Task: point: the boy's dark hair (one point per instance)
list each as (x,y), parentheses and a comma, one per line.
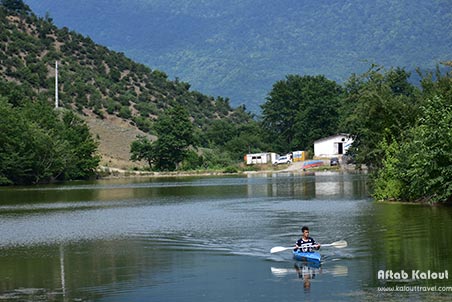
(305,228)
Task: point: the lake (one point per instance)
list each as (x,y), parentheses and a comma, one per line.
(208,239)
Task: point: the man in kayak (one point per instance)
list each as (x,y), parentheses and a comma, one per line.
(306,243)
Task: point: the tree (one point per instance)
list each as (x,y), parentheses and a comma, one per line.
(378,105)
(414,161)
(143,149)
(30,152)
(36,145)
(429,150)
(220,132)
(437,84)
(419,166)
(15,147)
(17,6)
(248,140)
(82,158)
(175,136)
(299,110)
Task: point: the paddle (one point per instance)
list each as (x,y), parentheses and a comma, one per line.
(338,244)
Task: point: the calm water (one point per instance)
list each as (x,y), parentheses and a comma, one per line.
(208,239)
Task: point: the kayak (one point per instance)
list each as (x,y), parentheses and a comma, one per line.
(309,256)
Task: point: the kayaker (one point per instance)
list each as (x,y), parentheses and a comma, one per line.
(306,243)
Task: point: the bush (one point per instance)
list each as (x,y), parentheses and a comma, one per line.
(192,161)
(216,159)
(230,169)
(420,167)
(125,112)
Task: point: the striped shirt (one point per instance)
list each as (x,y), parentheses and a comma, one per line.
(305,245)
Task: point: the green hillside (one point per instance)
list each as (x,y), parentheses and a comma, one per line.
(240,48)
(117,98)
(93,78)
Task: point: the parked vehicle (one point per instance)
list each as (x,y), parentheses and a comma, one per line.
(334,161)
(283,160)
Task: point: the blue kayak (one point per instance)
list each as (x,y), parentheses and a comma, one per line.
(309,256)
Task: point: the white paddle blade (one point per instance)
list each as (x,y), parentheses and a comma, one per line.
(339,244)
(278,249)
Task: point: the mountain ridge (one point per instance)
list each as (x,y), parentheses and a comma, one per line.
(239,49)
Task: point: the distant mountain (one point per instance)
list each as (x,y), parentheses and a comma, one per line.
(239,48)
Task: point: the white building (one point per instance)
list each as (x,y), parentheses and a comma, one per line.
(332,146)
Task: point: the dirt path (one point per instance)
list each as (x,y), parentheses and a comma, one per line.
(296,166)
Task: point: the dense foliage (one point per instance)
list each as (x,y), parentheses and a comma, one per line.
(300,110)
(222,144)
(175,136)
(39,144)
(417,164)
(378,105)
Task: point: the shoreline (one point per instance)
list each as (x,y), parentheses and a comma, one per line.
(114,173)
(414,203)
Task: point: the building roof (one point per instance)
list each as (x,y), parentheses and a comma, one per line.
(332,136)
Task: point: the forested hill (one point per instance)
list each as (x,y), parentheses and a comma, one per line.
(239,48)
(93,79)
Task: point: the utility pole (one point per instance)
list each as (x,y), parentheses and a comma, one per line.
(56,84)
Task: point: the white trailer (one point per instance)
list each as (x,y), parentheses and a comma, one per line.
(261,158)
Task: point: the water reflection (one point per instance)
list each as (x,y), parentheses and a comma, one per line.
(70,272)
(309,185)
(308,271)
(207,239)
(63,273)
